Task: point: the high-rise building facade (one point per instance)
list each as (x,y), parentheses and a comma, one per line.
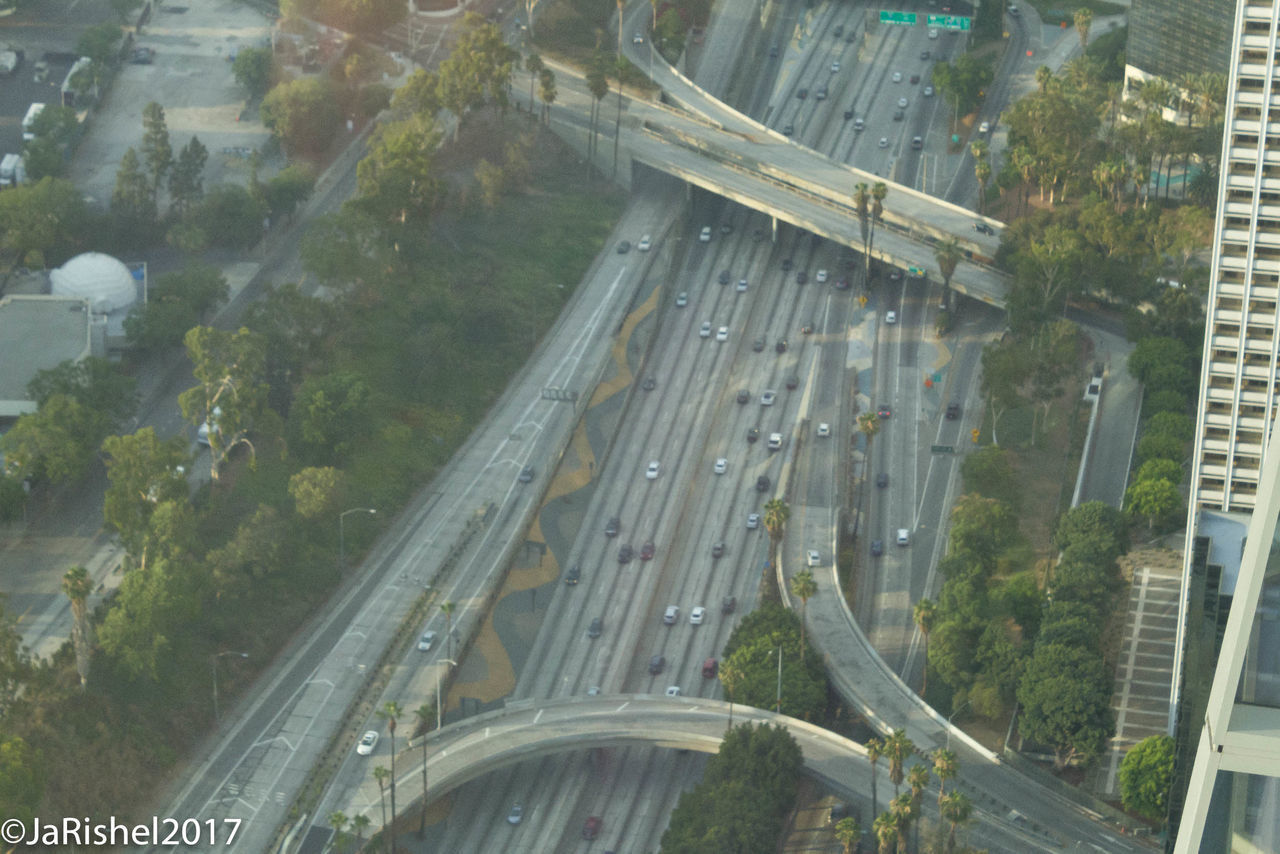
(1172,39)
(1227,665)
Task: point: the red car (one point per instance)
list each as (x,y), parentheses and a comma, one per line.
(884,412)
(646,551)
(591,829)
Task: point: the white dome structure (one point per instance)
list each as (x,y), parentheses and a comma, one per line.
(102,280)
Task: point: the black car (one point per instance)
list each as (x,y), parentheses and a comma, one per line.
(649,384)
(656,664)
(753,433)
(572,576)
(838,31)
(744,396)
(781,346)
(793,382)
(983,228)
(624,247)
(625,554)
(762,483)
(802,94)
(729,604)
(786,265)
(758,345)
(924,54)
(877,548)
(773,51)
(788,129)
(882,479)
(953,411)
(724,277)
(596,627)
(611,529)
(526,474)
(717,550)
(848,114)
(802,277)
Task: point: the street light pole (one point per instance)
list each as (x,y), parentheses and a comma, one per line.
(342,541)
(439,699)
(954,712)
(778,701)
(213,665)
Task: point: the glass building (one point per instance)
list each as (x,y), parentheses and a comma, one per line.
(1171,39)
(1226,697)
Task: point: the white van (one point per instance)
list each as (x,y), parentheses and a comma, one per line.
(32,112)
(9,168)
(904,537)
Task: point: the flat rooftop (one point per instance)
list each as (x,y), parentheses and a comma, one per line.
(37,333)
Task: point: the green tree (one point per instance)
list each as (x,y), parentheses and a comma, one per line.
(547,92)
(945,767)
(989,472)
(478,71)
(1004,369)
(887,834)
(15,673)
(142,472)
(157,150)
(1065,696)
(917,781)
(897,749)
(154,609)
(1155,500)
(1146,775)
(332,414)
(100,42)
(77,585)
(232,216)
(133,204)
(803,586)
(186,180)
(93,382)
(875,751)
(926,614)
(1083,19)
(956,810)
(288,188)
(256,550)
(776,514)
(1161,446)
(1089,521)
(125,8)
(948,257)
(951,653)
(228,367)
(42,158)
(315,491)
(253,69)
(983,527)
(1151,354)
(58,441)
(598,85)
(176,302)
(848,832)
(398,180)
(303,114)
(389,712)
(22,778)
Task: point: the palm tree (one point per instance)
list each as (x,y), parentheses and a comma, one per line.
(862,203)
(869,424)
(981,169)
(776,514)
(447,608)
(338,820)
(803,585)
(875,749)
(654,29)
(918,780)
(879,192)
(381,774)
(360,823)
(1084,17)
(389,712)
(1044,74)
(897,748)
(618,71)
(547,92)
(730,675)
(78,585)
(848,831)
(424,713)
(956,810)
(945,768)
(598,84)
(901,813)
(534,65)
(925,613)
(948,256)
(886,830)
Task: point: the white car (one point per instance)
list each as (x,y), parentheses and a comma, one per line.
(933,34)
(897,77)
(742,285)
(673,690)
(821,277)
(368,742)
(721,466)
(671,614)
(705,235)
(682,299)
(517,813)
(928,92)
(753,521)
(884,142)
(902,102)
(645,244)
(652,472)
(767,398)
(890,317)
(637,39)
(824,430)
(904,537)
(425,642)
(696,615)
(705,331)
(775,441)
(812,558)
(985,127)
(722,334)
(835,66)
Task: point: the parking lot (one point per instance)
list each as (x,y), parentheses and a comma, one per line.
(37,79)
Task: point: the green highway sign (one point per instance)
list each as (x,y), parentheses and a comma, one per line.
(889,17)
(949,22)
(943,449)
(916,272)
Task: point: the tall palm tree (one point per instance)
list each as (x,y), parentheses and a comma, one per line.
(886,830)
(918,781)
(869,425)
(901,813)
(360,823)
(956,810)
(945,767)
(381,774)
(389,712)
(862,203)
(533,64)
(338,820)
(547,92)
(618,71)
(730,675)
(447,608)
(897,748)
(948,256)
(77,584)
(598,85)
(424,714)
(1083,18)
(848,831)
(875,749)
(776,514)
(981,169)
(1044,74)
(803,585)
(879,192)
(925,613)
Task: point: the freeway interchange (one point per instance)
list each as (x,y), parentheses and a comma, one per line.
(633,381)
